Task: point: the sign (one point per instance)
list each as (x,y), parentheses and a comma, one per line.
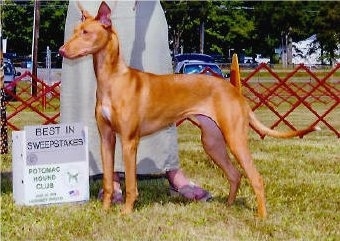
(50,164)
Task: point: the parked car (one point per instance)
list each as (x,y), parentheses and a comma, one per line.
(9,84)
(193,56)
(248,62)
(195,63)
(197,67)
(259,59)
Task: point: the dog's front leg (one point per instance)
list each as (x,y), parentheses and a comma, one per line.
(108,143)
(129,146)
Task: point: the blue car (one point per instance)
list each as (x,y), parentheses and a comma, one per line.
(9,77)
(196,64)
(198,67)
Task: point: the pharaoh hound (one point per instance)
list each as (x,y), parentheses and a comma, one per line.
(133,103)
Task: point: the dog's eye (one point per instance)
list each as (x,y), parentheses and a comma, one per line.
(84,31)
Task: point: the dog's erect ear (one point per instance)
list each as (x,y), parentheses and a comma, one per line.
(84,14)
(104,15)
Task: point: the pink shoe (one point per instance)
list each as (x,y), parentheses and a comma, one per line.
(117,196)
(191,192)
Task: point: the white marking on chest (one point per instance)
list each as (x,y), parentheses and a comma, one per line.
(106,112)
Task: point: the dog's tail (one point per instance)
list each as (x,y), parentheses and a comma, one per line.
(264,130)
(235,77)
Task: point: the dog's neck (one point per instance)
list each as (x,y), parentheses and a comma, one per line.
(108,61)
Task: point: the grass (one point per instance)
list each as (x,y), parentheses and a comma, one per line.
(302,179)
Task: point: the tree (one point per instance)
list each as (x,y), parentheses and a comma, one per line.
(250,26)
(185,19)
(177,25)
(275,20)
(52,20)
(18,25)
(327,29)
(299,19)
(229,26)
(226,25)
(17,20)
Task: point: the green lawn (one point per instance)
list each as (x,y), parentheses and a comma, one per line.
(302,182)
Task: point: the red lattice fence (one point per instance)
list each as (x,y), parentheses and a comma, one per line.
(28,109)
(319,96)
(283,98)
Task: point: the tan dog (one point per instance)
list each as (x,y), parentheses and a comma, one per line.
(133,103)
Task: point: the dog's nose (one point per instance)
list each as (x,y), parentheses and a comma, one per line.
(62,51)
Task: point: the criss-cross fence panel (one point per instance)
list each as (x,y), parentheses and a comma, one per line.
(28,109)
(278,101)
(298,91)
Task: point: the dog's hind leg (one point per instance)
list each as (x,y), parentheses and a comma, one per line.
(215,146)
(236,137)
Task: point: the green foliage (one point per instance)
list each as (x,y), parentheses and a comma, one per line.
(275,19)
(225,25)
(228,27)
(327,22)
(17,20)
(249,26)
(52,24)
(255,26)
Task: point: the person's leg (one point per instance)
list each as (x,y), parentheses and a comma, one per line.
(180,185)
(177,178)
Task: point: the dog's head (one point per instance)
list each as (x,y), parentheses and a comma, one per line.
(90,35)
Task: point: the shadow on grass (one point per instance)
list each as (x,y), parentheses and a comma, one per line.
(149,187)
(151,190)
(6,182)
(240,202)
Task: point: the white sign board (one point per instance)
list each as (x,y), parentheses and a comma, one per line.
(50,164)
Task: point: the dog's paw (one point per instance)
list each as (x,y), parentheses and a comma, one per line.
(106,205)
(127,209)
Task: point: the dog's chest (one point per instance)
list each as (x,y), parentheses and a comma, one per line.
(106,112)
